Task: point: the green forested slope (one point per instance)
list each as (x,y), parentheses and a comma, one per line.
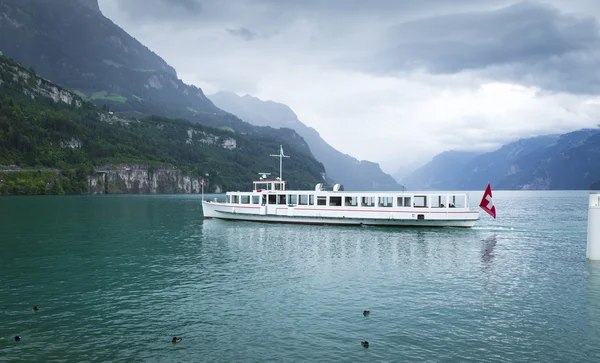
(71,43)
(74,136)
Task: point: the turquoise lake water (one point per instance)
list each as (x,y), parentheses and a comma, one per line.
(116,277)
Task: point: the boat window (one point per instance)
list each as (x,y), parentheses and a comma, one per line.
(245,199)
(293,199)
(420,201)
(261,186)
(404,202)
(367,201)
(235,199)
(438,201)
(350,201)
(228,199)
(277,186)
(255,199)
(385,202)
(303,199)
(321,200)
(311,199)
(457,201)
(281,199)
(272,198)
(335,201)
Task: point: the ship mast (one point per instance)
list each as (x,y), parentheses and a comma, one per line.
(280,156)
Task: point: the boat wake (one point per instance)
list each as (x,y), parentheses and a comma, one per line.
(495,228)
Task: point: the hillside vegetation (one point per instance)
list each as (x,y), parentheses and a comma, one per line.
(73,44)
(45,126)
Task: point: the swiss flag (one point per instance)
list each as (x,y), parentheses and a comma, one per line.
(486,202)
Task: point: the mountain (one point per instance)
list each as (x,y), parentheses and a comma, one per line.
(52,141)
(440,172)
(556,162)
(341,168)
(569,162)
(71,43)
(501,163)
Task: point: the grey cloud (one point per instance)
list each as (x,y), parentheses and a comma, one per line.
(529,42)
(163,10)
(192,6)
(270,11)
(521,33)
(243,33)
(526,41)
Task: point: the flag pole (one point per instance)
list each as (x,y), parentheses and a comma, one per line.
(280,156)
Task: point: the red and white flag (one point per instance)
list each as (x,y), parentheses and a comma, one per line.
(486,202)
(202,182)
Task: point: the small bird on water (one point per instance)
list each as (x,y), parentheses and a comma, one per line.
(17,338)
(35,308)
(366,313)
(365,344)
(176,339)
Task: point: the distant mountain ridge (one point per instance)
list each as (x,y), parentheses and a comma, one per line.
(549,162)
(340,168)
(440,172)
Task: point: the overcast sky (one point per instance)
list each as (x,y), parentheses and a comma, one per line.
(391,81)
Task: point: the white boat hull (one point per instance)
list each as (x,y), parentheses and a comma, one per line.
(329,216)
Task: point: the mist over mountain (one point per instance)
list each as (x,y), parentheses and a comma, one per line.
(341,168)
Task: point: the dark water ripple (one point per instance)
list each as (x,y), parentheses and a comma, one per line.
(117,277)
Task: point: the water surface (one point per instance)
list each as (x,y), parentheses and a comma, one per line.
(116,277)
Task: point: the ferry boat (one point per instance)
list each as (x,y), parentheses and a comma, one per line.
(270,201)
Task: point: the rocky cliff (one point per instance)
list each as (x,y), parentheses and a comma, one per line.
(140,179)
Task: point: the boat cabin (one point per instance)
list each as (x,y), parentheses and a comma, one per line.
(273,192)
(260,185)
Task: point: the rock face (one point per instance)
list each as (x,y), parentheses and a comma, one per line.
(139,179)
(36,86)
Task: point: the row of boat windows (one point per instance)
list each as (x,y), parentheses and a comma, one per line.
(420,201)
